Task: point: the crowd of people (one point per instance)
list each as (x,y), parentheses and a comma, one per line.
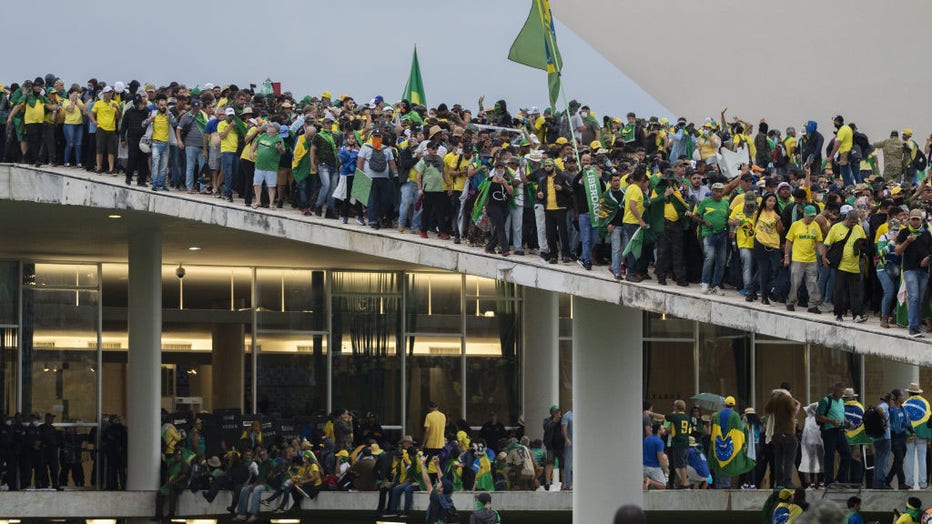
(827,223)
(790,445)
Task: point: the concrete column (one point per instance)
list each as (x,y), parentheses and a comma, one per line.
(541,357)
(607,391)
(227,360)
(144,360)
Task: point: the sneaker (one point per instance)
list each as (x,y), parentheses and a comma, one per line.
(581,263)
(567,260)
(423,234)
(915,334)
(743,293)
(444,236)
(859,319)
(839,318)
(815,310)
(279,510)
(456,240)
(519,252)
(66,164)
(390,515)
(552,260)
(266,503)
(345,219)
(704,288)
(252,518)
(587,266)
(360,221)
(400,229)
(682,283)
(717,291)
(790,307)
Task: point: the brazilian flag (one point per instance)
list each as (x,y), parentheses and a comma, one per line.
(854,418)
(727,452)
(917,409)
(484,481)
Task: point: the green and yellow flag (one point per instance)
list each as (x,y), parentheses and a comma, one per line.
(414,89)
(854,420)
(728,449)
(536,46)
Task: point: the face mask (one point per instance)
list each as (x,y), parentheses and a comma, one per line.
(377,142)
(584,114)
(459,151)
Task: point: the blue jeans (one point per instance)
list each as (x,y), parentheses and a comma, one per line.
(406,209)
(888,283)
(304,196)
(327,175)
(514,222)
(160,155)
(380,200)
(588,234)
(229,164)
(748,275)
(881,459)
(194,161)
(249,500)
(175,163)
(714,249)
(834,440)
(826,281)
(574,234)
(617,248)
(406,488)
(847,175)
(74,136)
(631,262)
(916,281)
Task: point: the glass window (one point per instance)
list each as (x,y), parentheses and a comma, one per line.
(479,286)
(433,303)
(205,287)
(291,300)
(63,275)
(779,363)
(724,363)
(8,350)
(493,363)
(171,288)
(9,292)
(668,373)
(292,374)
(434,373)
(829,366)
(60,350)
(366,336)
(664,326)
(566,373)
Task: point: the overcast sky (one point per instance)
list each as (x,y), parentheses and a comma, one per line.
(360,47)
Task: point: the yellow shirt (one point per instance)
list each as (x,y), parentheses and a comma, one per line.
(669,210)
(34,114)
(551,204)
(160,128)
(228,144)
(73,117)
(881,231)
(765,229)
(845,138)
(452,160)
(849,262)
(789,143)
(804,238)
(436,422)
(633,194)
(106,114)
(744,233)
(247,151)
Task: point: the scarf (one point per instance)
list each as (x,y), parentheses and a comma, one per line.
(916,230)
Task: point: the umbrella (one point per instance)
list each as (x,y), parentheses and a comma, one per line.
(708,401)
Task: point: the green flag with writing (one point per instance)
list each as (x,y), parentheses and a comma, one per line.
(536,46)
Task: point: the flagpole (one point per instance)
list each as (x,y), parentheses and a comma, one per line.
(553,47)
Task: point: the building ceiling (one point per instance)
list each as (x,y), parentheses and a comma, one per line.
(35,231)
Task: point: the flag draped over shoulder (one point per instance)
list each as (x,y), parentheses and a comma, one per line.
(414,89)
(607,210)
(854,418)
(536,46)
(917,409)
(727,453)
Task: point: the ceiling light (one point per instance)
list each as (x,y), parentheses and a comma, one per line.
(194,248)
(114,216)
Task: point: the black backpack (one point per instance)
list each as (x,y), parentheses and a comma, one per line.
(378,160)
(920,162)
(873,422)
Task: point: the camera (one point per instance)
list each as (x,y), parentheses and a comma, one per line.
(180,272)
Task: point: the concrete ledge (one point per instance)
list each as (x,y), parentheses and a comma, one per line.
(74,187)
(128,504)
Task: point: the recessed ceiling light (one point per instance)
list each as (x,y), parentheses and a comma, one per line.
(194,248)
(114,216)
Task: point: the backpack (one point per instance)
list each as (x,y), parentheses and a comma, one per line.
(920,162)
(873,422)
(378,160)
(448,515)
(779,155)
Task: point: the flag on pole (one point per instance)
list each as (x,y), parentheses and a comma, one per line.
(414,89)
(536,46)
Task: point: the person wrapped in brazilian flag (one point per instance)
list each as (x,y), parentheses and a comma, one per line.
(727,449)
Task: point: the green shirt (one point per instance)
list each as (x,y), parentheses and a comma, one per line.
(834,409)
(431,179)
(267,155)
(679,429)
(715,212)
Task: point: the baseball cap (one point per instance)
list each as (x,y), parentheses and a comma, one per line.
(781,185)
(533,110)
(283,131)
(119,87)
(810,211)
(729,401)
(718,185)
(208,86)
(378,99)
(916,213)
(229,111)
(107,89)
(845,208)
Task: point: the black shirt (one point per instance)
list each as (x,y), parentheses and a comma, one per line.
(916,251)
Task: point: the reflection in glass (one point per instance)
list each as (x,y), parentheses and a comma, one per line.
(833,365)
(668,373)
(292,376)
(778,363)
(433,303)
(724,363)
(434,373)
(492,358)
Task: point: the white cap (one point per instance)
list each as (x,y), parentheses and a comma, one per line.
(845,208)
(107,89)
(534,110)
(119,87)
(208,86)
(230,112)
